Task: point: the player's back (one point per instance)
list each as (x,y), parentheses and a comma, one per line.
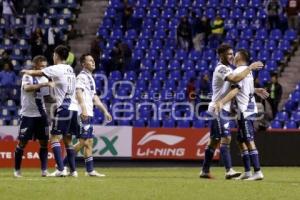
(220,87)
(64,77)
(245,98)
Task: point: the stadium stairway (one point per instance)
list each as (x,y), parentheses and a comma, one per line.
(92,12)
(290,77)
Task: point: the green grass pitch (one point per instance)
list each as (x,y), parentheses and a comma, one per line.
(151,183)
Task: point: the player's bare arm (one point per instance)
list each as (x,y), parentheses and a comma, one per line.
(35,87)
(219,104)
(79,96)
(100,105)
(32,72)
(262,93)
(235,78)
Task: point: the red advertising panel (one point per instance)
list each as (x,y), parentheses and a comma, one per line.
(30,156)
(170,143)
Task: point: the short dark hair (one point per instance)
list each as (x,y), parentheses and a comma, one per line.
(62,51)
(38,59)
(223,48)
(82,57)
(245,54)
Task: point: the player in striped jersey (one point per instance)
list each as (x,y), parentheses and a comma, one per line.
(34,120)
(65,121)
(243,92)
(87,98)
(219,127)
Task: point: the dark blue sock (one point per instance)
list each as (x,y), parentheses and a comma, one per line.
(18,157)
(246,161)
(254,159)
(209,154)
(57,155)
(225,155)
(71,158)
(65,161)
(89,164)
(43,157)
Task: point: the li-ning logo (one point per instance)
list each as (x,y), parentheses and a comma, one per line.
(164,138)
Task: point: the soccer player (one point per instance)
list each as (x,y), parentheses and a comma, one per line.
(65,121)
(34,122)
(219,127)
(243,92)
(87,98)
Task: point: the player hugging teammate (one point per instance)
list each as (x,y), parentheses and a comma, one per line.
(66,121)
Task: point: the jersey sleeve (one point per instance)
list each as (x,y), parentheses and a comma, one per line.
(223,72)
(26,80)
(50,71)
(80,81)
(241,83)
(45,91)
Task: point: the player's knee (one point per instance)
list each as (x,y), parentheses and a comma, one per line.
(55,138)
(251,145)
(242,146)
(226,140)
(213,143)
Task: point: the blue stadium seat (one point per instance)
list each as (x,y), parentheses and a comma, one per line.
(154,123)
(174,65)
(183,124)
(271,45)
(168,123)
(296,116)
(188,65)
(246,34)
(250,13)
(291,125)
(152,54)
(290,35)
(278,56)
(271,65)
(282,116)
(261,34)
(156,3)
(185,3)
(223,12)
(142,3)
(139,123)
(295,96)
(199,123)
(227,3)
(209,13)
(229,23)
(241,3)
(199,3)
(167,54)
(276,34)
(213,3)
(284,45)
(160,65)
(276,124)
(236,13)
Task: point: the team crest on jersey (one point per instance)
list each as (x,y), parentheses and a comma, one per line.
(23,130)
(223,70)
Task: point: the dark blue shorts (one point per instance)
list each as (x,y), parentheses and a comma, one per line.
(65,122)
(219,126)
(32,128)
(86,129)
(245,129)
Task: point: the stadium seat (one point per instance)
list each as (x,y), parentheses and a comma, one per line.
(276,124)
(290,125)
